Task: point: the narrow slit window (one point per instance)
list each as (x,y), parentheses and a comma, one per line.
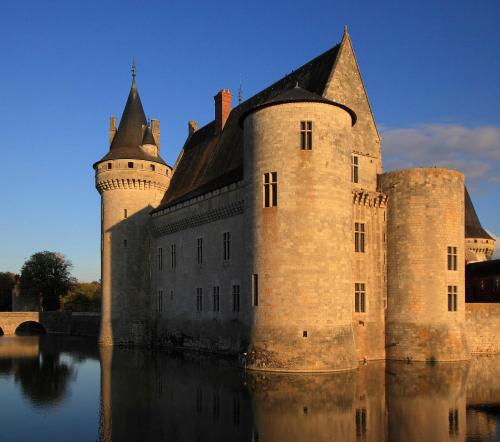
(306,135)
(227,246)
(452,258)
(453,428)
(199,299)
(199,250)
(271,189)
(216,299)
(110,166)
(361,422)
(355,169)
(160,301)
(452,298)
(173,256)
(236,298)
(125,213)
(359,237)
(255,289)
(152,167)
(359,297)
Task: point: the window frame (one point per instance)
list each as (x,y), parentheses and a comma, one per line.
(306,138)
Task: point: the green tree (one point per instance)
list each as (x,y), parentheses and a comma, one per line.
(83,297)
(7,282)
(47,274)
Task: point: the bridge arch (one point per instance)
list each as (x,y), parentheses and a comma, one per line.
(30,328)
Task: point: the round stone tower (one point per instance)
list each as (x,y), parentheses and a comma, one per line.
(132,179)
(298,222)
(425,318)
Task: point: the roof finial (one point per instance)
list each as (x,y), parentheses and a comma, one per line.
(346,31)
(133,70)
(297,84)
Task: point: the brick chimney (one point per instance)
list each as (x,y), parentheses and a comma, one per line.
(112,129)
(155,128)
(192,126)
(222,108)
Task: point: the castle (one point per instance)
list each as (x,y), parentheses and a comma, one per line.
(277,237)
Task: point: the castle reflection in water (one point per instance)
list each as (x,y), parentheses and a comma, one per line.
(154,396)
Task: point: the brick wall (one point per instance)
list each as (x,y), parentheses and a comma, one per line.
(483,327)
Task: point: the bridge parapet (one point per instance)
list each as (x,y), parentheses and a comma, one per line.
(52,322)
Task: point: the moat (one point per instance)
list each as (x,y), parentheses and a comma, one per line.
(64,388)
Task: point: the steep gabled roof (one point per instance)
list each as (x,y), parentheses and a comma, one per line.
(211,160)
(473,227)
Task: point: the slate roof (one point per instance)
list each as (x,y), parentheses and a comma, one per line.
(296,95)
(483,268)
(131,132)
(473,228)
(210,161)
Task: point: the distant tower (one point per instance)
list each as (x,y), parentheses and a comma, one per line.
(479,245)
(132,179)
(298,222)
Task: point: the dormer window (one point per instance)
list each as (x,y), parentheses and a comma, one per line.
(130,165)
(306,135)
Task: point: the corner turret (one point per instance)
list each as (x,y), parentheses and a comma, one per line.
(132,179)
(479,244)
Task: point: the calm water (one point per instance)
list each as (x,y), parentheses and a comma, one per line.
(66,389)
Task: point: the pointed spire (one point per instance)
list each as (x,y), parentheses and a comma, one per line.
(148,136)
(133,72)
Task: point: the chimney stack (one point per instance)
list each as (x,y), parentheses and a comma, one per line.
(222,108)
(112,129)
(192,127)
(155,130)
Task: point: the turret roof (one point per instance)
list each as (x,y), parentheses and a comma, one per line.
(297,94)
(473,227)
(148,136)
(132,131)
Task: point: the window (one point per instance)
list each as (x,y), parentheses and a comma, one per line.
(130,165)
(227,245)
(171,295)
(255,289)
(124,243)
(160,258)
(160,301)
(216,405)
(110,166)
(199,299)
(355,169)
(125,213)
(359,237)
(359,297)
(152,167)
(360,423)
(199,400)
(271,189)
(452,298)
(497,283)
(216,299)
(199,250)
(481,285)
(453,422)
(306,135)
(452,258)
(236,298)
(173,255)
(304,334)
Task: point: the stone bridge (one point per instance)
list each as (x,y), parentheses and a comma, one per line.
(52,322)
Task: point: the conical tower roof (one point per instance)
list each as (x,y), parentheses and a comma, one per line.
(473,227)
(132,131)
(148,137)
(133,122)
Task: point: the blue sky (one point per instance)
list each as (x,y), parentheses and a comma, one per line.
(431,70)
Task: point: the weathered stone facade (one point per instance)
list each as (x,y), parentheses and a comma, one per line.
(277,237)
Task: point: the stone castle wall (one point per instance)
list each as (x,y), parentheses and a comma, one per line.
(179,321)
(301,249)
(425,216)
(483,327)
